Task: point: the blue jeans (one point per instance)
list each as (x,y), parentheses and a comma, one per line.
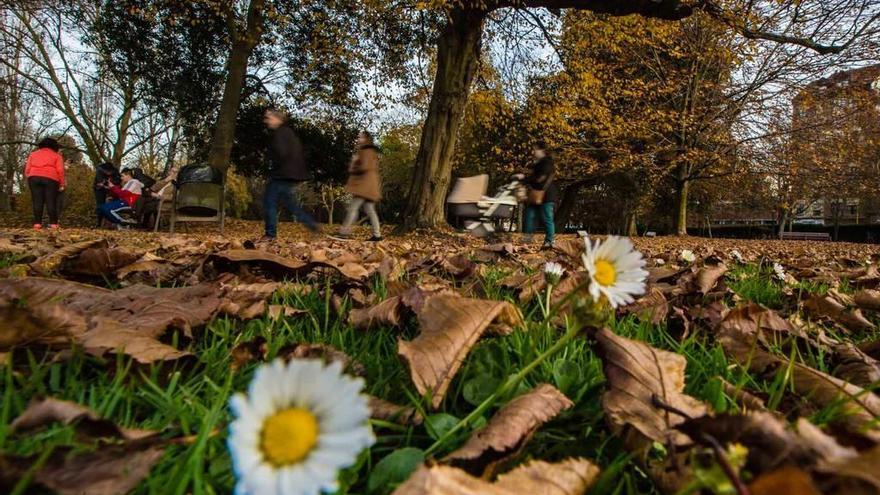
(110,210)
(285,191)
(546,211)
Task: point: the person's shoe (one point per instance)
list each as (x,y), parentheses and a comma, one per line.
(376,238)
(38,226)
(547,246)
(267,238)
(340,237)
(54,226)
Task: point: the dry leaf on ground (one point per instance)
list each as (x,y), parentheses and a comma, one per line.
(110,470)
(785,480)
(652,307)
(50,410)
(47,264)
(509,429)
(739,337)
(448,327)
(636,373)
(388,411)
(828,306)
(569,477)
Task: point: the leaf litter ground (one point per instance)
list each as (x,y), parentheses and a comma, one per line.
(120,351)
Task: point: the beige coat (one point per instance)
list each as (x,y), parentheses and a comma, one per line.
(363,178)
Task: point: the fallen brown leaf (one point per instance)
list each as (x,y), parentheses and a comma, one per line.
(50,410)
(636,374)
(448,327)
(569,477)
(828,306)
(785,480)
(652,307)
(110,470)
(388,411)
(509,430)
(47,264)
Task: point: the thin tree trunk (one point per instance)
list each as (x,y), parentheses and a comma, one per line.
(783,219)
(457,56)
(236,66)
(631,225)
(681,207)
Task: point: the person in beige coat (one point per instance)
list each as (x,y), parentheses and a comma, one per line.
(364,186)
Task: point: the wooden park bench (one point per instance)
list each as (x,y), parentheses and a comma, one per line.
(806,236)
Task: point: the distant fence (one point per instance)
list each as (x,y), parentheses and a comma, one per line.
(846,233)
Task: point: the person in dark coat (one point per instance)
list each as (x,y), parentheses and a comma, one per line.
(541,179)
(287,169)
(104,172)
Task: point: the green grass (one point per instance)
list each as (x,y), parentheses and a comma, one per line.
(193,401)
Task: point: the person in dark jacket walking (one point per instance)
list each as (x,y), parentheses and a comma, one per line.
(287,169)
(541,179)
(44,171)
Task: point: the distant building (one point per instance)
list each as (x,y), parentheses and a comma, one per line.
(841,112)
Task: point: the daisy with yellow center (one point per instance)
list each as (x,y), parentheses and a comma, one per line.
(616,270)
(299,424)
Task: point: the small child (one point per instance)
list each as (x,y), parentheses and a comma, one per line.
(125,196)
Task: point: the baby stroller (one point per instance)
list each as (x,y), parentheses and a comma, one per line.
(482,213)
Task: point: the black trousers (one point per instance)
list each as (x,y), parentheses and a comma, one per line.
(44,195)
(100,199)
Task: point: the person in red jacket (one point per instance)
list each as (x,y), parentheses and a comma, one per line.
(125,196)
(44,171)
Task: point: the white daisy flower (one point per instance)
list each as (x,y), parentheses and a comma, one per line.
(778,272)
(659,262)
(553,272)
(688,256)
(737,256)
(298,425)
(616,270)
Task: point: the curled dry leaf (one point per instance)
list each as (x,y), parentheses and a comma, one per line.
(388,411)
(832,308)
(59,313)
(50,410)
(47,264)
(387,313)
(855,366)
(110,470)
(278,267)
(509,429)
(708,276)
(637,373)
(97,261)
(449,326)
(651,307)
(868,299)
(569,477)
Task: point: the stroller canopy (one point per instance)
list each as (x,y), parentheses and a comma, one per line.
(469,189)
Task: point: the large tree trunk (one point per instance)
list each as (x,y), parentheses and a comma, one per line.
(457,56)
(236,66)
(681,200)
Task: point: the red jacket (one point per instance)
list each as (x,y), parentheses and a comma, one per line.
(45,163)
(127,196)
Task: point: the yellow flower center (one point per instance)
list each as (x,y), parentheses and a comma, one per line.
(288,436)
(606,274)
